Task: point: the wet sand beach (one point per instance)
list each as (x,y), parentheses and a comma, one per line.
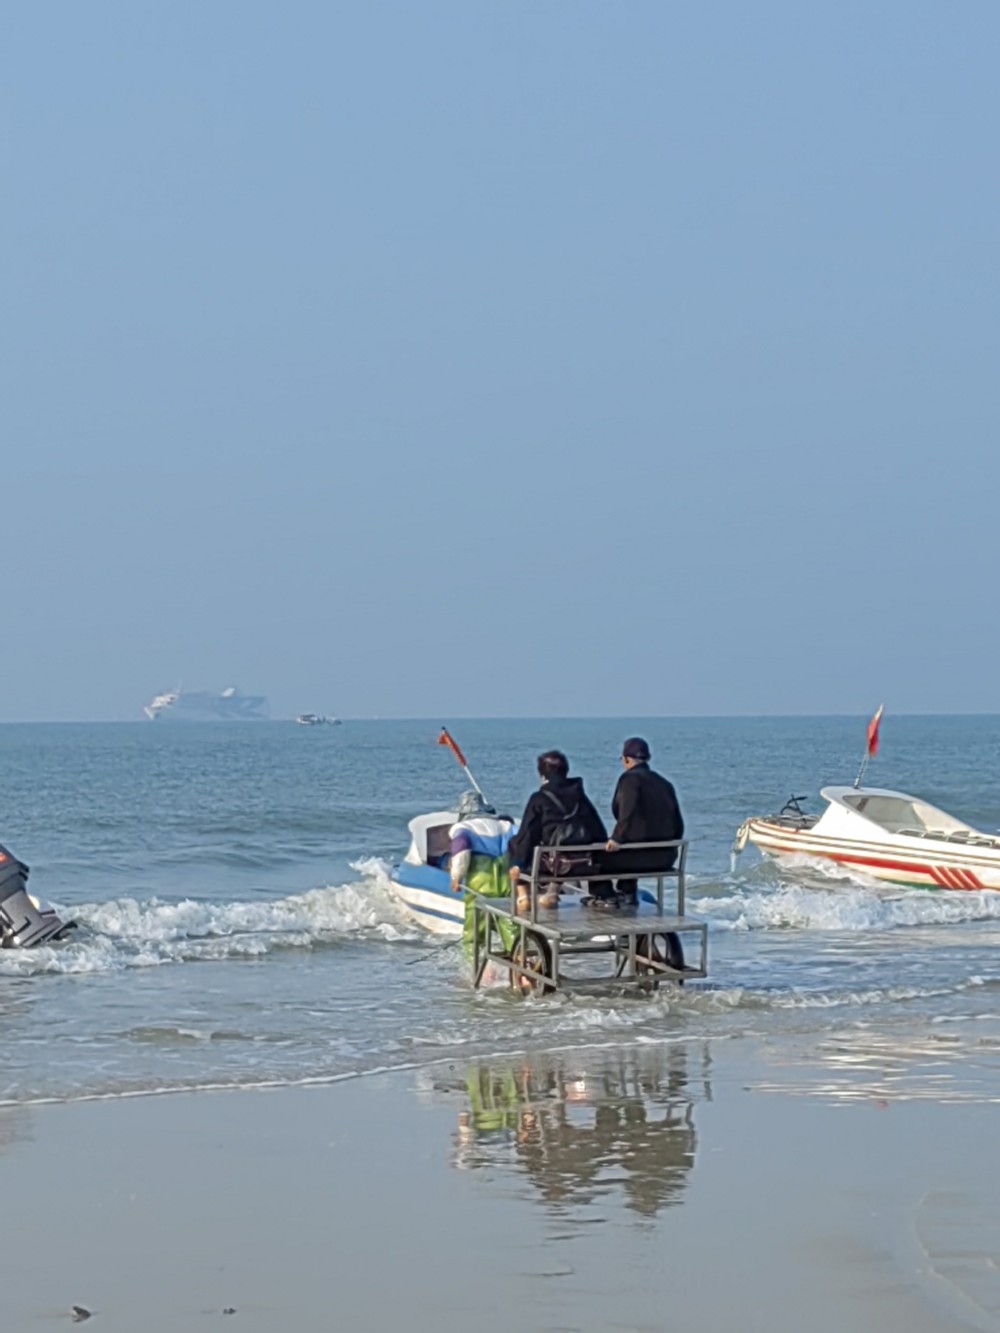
(695,1184)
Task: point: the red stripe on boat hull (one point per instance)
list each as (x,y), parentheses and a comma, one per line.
(946,878)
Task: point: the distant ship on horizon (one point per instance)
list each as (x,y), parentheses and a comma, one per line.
(228,705)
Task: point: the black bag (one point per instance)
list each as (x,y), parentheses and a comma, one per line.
(570,831)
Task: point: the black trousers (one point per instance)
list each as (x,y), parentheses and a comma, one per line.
(624,862)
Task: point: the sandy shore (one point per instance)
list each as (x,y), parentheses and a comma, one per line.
(687,1186)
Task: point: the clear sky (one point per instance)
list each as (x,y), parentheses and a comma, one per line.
(509,358)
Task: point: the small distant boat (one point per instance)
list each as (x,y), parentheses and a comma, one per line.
(886,834)
(317,720)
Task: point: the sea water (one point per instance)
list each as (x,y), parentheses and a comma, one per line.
(237,927)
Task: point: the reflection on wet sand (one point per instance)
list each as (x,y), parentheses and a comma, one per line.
(15,1010)
(954,1065)
(15,1126)
(585,1125)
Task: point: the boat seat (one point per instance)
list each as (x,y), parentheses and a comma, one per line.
(964,836)
(438,844)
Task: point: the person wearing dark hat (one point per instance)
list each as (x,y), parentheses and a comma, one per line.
(645,809)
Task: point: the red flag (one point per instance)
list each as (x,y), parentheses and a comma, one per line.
(446,739)
(873,731)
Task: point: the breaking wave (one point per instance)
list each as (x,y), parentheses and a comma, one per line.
(808,895)
(131,932)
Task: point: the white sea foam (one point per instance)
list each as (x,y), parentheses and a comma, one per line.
(130,932)
(848,903)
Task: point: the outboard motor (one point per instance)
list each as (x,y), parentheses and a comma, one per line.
(24,920)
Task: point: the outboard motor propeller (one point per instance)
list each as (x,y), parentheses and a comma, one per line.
(24,921)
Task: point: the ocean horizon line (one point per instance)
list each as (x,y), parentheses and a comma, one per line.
(452,719)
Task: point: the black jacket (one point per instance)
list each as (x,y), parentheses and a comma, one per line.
(542,816)
(645,808)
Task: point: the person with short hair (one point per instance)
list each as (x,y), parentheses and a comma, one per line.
(645,809)
(559,804)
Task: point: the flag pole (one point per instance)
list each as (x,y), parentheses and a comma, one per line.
(448,740)
(871,744)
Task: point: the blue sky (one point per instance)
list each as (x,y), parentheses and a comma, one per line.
(500,359)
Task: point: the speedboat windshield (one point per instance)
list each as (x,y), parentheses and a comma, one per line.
(897,813)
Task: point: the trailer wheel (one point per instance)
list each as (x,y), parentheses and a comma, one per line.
(532,953)
(665,949)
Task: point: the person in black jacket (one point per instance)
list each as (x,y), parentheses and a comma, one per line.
(645,808)
(559,806)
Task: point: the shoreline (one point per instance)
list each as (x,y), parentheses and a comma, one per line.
(700,1183)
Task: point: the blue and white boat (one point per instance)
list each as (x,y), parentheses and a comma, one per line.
(421,880)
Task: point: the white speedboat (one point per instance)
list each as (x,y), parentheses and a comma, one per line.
(421,881)
(885,834)
(317,720)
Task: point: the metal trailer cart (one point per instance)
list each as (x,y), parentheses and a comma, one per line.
(643,945)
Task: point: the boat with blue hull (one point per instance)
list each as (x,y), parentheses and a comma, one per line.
(421,881)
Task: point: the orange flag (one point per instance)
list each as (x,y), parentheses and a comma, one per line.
(873,731)
(446,739)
